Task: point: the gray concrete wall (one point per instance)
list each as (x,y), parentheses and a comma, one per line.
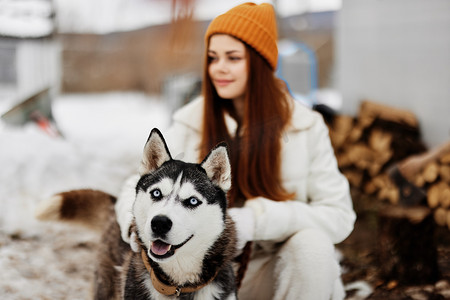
(27,67)
(397,52)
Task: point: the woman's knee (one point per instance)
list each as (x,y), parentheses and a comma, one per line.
(310,240)
(306,267)
(310,249)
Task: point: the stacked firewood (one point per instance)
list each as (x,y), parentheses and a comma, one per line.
(431,172)
(367,145)
(428,173)
(381,153)
(438,194)
(379,138)
(422,183)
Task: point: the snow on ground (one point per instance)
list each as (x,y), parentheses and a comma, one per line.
(56,265)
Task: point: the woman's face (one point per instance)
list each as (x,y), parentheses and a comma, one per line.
(228,66)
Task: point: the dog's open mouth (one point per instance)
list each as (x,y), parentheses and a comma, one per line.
(160,249)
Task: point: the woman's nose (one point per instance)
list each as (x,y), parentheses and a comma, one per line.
(222,65)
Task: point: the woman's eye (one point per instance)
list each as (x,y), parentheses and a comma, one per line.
(212,58)
(156,193)
(234,58)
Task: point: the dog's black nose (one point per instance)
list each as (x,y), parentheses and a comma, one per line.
(161,225)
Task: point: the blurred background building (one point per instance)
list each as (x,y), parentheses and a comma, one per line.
(397,53)
(337,52)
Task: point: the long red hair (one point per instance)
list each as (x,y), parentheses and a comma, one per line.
(255,149)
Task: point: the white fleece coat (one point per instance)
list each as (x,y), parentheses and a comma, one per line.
(309,169)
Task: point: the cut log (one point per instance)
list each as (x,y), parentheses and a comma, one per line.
(431,172)
(390,194)
(366,119)
(354,177)
(433,196)
(444,199)
(377,183)
(375,168)
(437,195)
(371,110)
(361,156)
(342,126)
(379,161)
(419,181)
(393,196)
(445,159)
(407,249)
(444,173)
(414,165)
(440,216)
(380,141)
(355,134)
(357,156)
(344,160)
(387,189)
(371,187)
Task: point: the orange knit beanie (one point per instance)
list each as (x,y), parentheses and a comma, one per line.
(253,24)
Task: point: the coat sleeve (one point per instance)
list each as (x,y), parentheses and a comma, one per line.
(328,207)
(124,204)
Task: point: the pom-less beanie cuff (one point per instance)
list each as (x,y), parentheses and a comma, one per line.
(253,24)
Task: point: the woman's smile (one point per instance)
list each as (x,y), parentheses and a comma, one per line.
(222,82)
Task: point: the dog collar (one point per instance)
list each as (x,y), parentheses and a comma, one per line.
(170,290)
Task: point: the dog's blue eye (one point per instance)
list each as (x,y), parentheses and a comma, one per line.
(192,202)
(156,193)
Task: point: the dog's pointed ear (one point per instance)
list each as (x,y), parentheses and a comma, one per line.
(155,153)
(217,166)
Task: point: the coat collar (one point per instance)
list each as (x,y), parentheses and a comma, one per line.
(191,116)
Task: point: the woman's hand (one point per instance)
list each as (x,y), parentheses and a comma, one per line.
(244,219)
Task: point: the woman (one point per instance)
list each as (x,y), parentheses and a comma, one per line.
(288,195)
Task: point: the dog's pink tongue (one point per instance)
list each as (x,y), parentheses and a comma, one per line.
(160,248)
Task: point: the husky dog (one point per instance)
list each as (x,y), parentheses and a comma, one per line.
(182,239)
